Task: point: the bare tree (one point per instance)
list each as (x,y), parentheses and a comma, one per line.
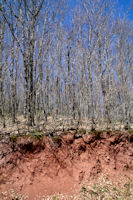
(2,32)
(79,73)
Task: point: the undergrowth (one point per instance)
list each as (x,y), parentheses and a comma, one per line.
(35,134)
(108,191)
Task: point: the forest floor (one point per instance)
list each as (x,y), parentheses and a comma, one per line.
(69,165)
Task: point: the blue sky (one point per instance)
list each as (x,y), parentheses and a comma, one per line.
(121,5)
(125,4)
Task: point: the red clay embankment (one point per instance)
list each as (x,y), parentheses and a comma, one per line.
(58,165)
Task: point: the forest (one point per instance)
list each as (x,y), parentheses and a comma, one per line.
(66,99)
(78,67)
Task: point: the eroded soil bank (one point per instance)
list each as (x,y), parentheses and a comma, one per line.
(61,164)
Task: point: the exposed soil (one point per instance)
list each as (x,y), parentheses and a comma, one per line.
(60,164)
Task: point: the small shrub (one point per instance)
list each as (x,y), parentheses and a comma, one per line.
(38,135)
(13,138)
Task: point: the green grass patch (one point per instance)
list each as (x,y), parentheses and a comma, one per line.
(38,135)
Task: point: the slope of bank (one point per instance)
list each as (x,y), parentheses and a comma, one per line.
(62,164)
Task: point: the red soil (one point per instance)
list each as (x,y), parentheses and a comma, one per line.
(48,166)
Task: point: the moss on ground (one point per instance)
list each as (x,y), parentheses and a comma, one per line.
(36,135)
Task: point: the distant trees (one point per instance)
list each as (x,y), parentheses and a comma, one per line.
(81,72)
(2,67)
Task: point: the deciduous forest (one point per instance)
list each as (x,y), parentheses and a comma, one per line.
(83,70)
(66,75)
